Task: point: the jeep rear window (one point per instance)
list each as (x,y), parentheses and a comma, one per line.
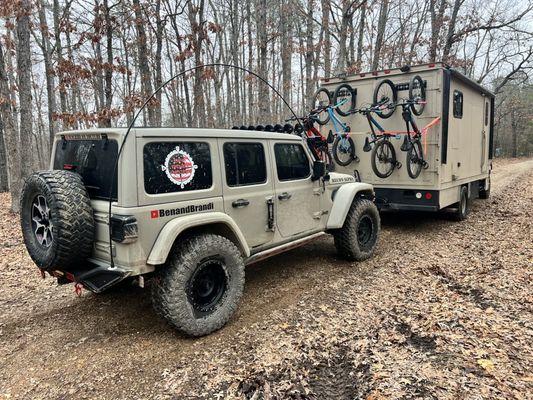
(94,160)
(171,167)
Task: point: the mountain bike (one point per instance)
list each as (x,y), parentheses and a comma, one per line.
(318,144)
(343,98)
(383,157)
(386,92)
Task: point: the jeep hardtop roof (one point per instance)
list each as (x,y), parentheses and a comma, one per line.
(182,132)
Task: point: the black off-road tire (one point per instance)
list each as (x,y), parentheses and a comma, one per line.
(171,297)
(348,238)
(71,217)
(462,208)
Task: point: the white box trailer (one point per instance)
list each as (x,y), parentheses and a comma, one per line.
(458,148)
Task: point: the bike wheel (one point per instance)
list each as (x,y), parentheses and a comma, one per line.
(386,94)
(322,98)
(417,91)
(343,150)
(383,158)
(342,92)
(415,159)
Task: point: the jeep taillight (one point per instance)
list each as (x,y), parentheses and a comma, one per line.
(124,228)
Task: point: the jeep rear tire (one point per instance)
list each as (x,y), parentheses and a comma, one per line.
(357,239)
(199,289)
(56,219)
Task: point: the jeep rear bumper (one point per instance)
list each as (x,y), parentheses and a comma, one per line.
(95,277)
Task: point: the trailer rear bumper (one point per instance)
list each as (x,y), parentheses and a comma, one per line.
(407,199)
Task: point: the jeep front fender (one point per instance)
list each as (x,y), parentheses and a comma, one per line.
(166,238)
(343,200)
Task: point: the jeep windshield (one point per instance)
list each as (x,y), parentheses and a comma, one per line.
(93,159)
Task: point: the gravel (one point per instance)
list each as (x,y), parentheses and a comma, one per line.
(443,311)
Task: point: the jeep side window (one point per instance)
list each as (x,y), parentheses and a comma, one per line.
(291,161)
(171,167)
(457,104)
(245,164)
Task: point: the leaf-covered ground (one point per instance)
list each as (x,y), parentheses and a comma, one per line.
(443,311)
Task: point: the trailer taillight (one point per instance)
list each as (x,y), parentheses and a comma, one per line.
(428,196)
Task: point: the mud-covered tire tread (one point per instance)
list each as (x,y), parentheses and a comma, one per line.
(169,298)
(71,214)
(345,238)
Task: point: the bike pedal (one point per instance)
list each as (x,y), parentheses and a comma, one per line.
(356,159)
(398,165)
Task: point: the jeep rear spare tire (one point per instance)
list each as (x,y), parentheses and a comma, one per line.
(199,288)
(56,219)
(358,237)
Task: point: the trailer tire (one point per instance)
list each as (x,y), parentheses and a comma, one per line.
(199,289)
(484,193)
(462,208)
(357,239)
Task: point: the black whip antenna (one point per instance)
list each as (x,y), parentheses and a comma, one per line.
(130,126)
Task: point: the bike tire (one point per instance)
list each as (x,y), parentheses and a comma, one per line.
(351,102)
(417,84)
(380,146)
(415,159)
(381,92)
(323,117)
(350,152)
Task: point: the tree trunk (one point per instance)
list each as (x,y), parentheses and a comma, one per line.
(144,69)
(309,53)
(381,32)
(24,85)
(359,60)
(59,51)
(157,60)
(326,6)
(49,72)
(451,30)
(4,181)
(286,50)
(196,19)
(261,15)
(10,135)
(108,69)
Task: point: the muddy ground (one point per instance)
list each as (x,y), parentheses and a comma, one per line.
(443,311)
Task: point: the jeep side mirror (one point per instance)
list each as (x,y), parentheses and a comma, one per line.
(319,170)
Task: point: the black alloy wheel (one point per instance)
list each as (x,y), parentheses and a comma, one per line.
(207,286)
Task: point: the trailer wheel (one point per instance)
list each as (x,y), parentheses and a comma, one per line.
(463,206)
(484,189)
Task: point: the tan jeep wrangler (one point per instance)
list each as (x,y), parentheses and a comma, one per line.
(189,208)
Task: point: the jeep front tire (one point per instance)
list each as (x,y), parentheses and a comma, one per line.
(357,239)
(200,287)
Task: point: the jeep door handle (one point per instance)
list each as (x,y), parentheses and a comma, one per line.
(240,203)
(284,196)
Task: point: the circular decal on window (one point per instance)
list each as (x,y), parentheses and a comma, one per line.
(179,167)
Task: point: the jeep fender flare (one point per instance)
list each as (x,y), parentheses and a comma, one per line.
(343,200)
(166,238)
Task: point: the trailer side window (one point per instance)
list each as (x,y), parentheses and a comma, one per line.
(486,113)
(457,104)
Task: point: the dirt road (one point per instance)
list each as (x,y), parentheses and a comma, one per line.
(442,312)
